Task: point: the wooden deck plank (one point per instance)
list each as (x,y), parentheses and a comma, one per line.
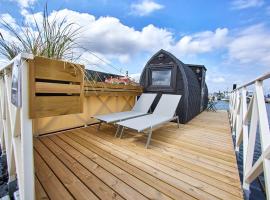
(130,180)
(147,178)
(195,161)
(205,189)
(40,192)
(190,156)
(161,175)
(69,180)
(114,182)
(216,179)
(91,181)
(51,184)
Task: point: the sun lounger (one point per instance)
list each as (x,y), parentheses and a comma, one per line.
(140,108)
(164,112)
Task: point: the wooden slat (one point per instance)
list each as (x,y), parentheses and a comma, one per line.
(56,105)
(51,184)
(107,93)
(56,70)
(69,180)
(116,86)
(50,69)
(132,181)
(44,87)
(193,191)
(172,172)
(40,192)
(192,168)
(177,165)
(91,181)
(147,178)
(119,186)
(112,89)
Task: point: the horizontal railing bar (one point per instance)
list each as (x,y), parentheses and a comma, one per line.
(261,78)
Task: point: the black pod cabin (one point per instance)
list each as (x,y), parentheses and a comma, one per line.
(165,74)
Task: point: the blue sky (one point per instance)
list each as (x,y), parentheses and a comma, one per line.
(231,38)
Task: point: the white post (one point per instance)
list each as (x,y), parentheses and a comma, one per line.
(264,133)
(28,190)
(235,111)
(251,141)
(244,132)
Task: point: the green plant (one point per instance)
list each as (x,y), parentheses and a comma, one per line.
(52,38)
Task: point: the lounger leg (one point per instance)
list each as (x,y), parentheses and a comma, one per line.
(177,122)
(99,126)
(122,132)
(149,138)
(117,130)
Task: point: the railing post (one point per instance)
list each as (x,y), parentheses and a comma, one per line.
(251,141)
(244,121)
(28,190)
(9,125)
(231,103)
(241,128)
(235,111)
(244,132)
(264,133)
(232,107)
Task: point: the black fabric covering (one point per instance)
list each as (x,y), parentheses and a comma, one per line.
(205,98)
(184,82)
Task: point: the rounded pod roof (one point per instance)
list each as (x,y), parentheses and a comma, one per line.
(186,84)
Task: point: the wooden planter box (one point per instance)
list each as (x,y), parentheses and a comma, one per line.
(60,100)
(56,88)
(105,89)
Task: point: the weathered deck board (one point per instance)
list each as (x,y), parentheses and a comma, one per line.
(196,161)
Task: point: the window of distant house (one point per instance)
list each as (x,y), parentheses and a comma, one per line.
(161,77)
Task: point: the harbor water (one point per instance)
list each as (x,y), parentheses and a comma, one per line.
(256,187)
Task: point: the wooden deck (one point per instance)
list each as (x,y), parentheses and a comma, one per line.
(196,161)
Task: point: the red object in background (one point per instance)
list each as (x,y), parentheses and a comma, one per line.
(119,80)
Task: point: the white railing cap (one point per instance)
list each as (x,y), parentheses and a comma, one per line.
(260,78)
(19,56)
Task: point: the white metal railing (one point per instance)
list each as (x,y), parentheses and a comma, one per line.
(245,120)
(16,134)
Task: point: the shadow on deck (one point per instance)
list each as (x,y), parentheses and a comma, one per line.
(196,161)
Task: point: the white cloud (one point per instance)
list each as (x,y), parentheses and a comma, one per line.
(8,19)
(30,18)
(108,37)
(112,40)
(251,45)
(145,7)
(218,80)
(135,77)
(214,77)
(24,3)
(201,42)
(243,4)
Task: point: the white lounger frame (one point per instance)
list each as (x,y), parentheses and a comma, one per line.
(160,110)
(140,108)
